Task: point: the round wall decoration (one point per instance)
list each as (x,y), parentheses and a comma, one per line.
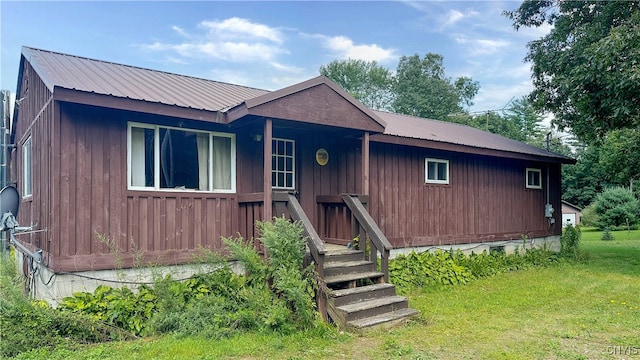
(322,157)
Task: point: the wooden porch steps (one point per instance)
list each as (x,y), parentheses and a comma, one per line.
(358,295)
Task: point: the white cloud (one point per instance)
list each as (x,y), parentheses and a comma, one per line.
(481,46)
(497,96)
(286,68)
(233,39)
(344,48)
(238,28)
(180,31)
(453,17)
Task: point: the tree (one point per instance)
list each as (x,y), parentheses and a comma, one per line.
(526,119)
(423,90)
(582,182)
(586,70)
(616,207)
(366,81)
(620,156)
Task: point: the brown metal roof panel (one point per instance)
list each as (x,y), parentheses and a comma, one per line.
(101,77)
(435,130)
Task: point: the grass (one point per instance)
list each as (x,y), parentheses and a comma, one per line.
(585,310)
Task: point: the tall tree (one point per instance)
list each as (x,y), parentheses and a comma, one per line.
(422,88)
(586,70)
(582,182)
(366,81)
(526,119)
(620,156)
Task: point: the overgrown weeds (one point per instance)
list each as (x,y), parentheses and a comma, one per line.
(434,269)
(27,324)
(276,294)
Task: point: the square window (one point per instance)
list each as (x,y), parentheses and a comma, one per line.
(534,178)
(436,171)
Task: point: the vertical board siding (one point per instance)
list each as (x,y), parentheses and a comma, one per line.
(168,234)
(36,113)
(98,217)
(486,198)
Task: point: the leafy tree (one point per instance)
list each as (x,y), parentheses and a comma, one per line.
(620,155)
(582,182)
(586,70)
(366,81)
(422,88)
(616,207)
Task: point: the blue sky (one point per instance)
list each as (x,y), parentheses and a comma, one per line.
(273,44)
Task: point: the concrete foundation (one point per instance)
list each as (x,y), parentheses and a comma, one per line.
(551,243)
(45,285)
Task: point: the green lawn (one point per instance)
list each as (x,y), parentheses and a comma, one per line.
(585,310)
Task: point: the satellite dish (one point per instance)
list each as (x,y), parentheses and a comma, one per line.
(9,201)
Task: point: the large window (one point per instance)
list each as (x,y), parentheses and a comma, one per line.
(165,158)
(534,178)
(436,171)
(283,164)
(27,168)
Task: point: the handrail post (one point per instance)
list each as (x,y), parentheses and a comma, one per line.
(379,242)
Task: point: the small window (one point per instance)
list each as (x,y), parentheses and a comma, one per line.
(27,166)
(534,179)
(283,164)
(436,171)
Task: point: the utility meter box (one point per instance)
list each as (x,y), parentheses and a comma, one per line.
(548,211)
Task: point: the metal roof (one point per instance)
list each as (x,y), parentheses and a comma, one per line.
(123,81)
(441,131)
(71,72)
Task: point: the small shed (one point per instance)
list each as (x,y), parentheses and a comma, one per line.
(570,214)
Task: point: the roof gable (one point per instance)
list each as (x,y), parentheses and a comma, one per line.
(316,101)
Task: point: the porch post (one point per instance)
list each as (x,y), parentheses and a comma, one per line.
(268,138)
(365,163)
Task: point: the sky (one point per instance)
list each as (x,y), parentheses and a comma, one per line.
(273,44)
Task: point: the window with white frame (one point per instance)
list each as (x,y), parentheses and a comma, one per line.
(283,164)
(167,158)
(27,168)
(534,178)
(436,171)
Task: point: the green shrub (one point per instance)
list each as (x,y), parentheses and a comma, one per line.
(589,217)
(119,307)
(291,282)
(570,241)
(27,324)
(607,235)
(420,269)
(616,207)
(275,295)
(441,268)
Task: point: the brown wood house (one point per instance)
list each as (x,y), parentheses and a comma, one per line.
(164,164)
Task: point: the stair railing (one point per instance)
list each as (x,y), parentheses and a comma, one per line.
(364,221)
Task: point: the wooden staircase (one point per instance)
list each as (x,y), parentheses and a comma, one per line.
(357,295)
(354,293)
